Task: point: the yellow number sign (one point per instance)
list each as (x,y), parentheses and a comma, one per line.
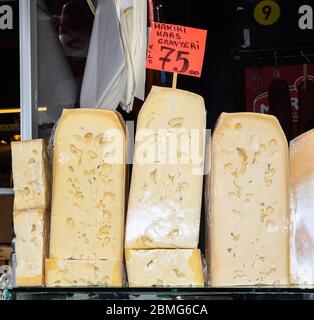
(267,12)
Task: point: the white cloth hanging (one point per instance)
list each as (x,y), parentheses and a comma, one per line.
(104,76)
(115,68)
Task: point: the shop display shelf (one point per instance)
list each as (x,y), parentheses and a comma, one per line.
(237,293)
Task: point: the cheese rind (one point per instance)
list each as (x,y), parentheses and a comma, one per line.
(164,267)
(31,243)
(166,187)
(81,273)
(249,218)
(302,206)
(31,175)
(88,197)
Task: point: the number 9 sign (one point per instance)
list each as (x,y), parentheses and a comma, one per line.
(267,12)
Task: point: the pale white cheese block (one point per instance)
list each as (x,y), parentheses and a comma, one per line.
(164,267)
(302,209)
(31,175)
(83,273)
(167,178)
(249,216)
(88,197)
(31,244)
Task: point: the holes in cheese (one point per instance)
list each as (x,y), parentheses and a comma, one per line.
(31,175)
(82,273)
(88,187)
(31,243)
(249,214)
(166,186)
(164,267)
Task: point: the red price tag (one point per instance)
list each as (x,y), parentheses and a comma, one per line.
(176,49)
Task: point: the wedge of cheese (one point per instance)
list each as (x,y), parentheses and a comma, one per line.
(82,273)
(249,216)
(164,267)
(88,197)
(302,209)
(31,175)
(31,244)
(166,186)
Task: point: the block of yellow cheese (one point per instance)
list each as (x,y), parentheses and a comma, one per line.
(164,267)
(88,197)
(31,244)
(166,186)
(302,209)
(249,216)
(82,273)
(31,175)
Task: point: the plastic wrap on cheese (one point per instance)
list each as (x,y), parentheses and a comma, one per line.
(207,208)
(31,175)
(166,186)
(164,268)
(249,202)
(302,209)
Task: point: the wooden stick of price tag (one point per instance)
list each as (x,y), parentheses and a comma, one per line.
(174,80)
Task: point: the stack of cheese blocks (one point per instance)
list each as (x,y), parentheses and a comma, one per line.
(31,210)
(253,238)
(88,200)
(163,219)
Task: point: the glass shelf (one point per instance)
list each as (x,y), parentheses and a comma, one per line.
(243,293)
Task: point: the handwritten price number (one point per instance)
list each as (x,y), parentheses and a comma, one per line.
(267,12)
(179,56)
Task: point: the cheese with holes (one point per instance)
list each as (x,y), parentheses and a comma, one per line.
(81,273)
(31,175)
(167,177)
(249,201)
(302,208)
(164,267)
(31,243)
(88,197)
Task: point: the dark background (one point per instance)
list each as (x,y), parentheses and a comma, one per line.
(221,83)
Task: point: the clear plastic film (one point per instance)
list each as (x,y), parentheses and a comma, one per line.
(51,141)
(207,202)
(302,208)
(167,177)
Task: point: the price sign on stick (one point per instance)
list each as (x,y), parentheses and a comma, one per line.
(176,49)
